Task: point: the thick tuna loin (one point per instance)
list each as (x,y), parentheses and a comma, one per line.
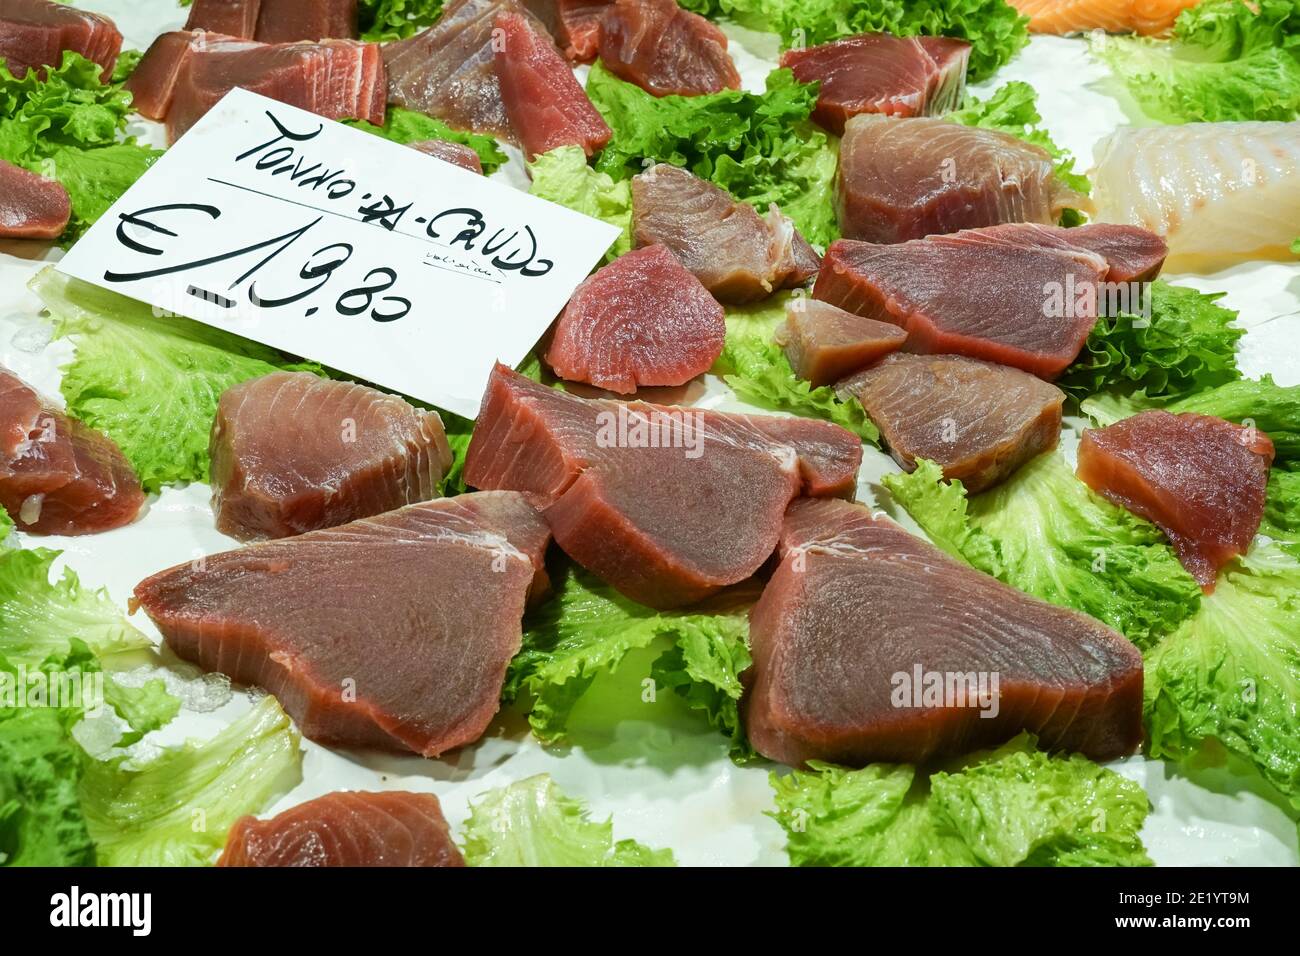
(664,49)
(284,21)
(979,421)
(824,343)
(641,320)
(31,206)
(881,73)
(546,106)
(903,179)
(666,504)
(393,828)
(739,255)
(575,24)
(58,476)
(152,84)
(391,632)
(457,154)
(861,619)
(232,18)
(1203,480)
(293,452)
(36,33)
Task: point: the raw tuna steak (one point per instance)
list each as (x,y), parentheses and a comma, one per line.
(57,476)
(391,632)
(455,153)
(1008,316)
(575,24)
(31,206)
(293,452)
(664,49)
(36,33)
(337,79)
(152,84)
(546,106)
(666,504)
(284,21)
(903,179)
(393,828)
(448,70)
(880,73)
(641,320)
(231,18)
(1200,478)
(824,343)
(861,618)
(739,255)
(978,421)
(1132,254)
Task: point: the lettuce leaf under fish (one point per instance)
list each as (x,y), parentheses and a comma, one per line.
(1013,806)
(562,176)
(531,823)
(407,126)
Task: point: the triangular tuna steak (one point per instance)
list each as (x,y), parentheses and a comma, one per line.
(1132,254)
(575,24)
(641,320)
(57,475)
(1203,480)
(1032,306)
(31,206)
(232,18)
(881,73)
(35,34)
(391,632)
(824,343)
(347,828)
(667,504)
(871,644)
(293,452)
(739,255)
(979,421)
(664,49)
(285,21)
(544,102)
(152,84)
(903,179)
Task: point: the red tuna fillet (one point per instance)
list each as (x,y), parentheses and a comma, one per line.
(152,84)
(293,452)
(36,33)
(575,24)
(1201,479)
(457,154)
(344,828)
(449,71)
(858,607)
(667,504)
(903,179)
(880,73)
(641,320)
(739,255)
(337,79)
(1132,254)
(545,104)
(284,21)
(31,206)
(979,421)
(391,632)
(231,18)
(58,476)
(664,49)
(977,293)
(824,343)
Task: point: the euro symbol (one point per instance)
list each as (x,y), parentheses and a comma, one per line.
(137,218)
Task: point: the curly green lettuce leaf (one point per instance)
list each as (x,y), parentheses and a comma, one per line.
(760,147)
(382,20)
(1045,532)
(1231,674)
(459,432)
(1013,109)
(407,126)
(703,667)
(151,383)
(587,628)
(531,823)
(6,524)
(562,176)
(1014,806)
(1188,343)
(175,809)
(1228,60)
(40,617)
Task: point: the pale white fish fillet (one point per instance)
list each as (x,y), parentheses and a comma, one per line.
(1218,189)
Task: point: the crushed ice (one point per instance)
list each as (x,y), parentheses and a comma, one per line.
(33,337)
(198,692)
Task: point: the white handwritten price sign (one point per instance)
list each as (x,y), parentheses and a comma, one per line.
(333,244)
